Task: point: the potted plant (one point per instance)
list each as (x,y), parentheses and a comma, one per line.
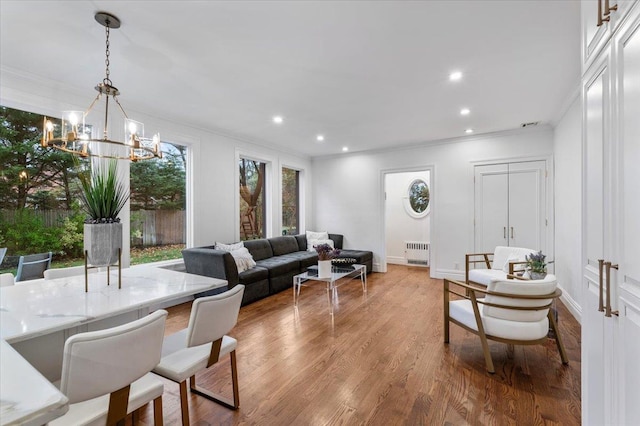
(325,254)
(536,265)
(102,198)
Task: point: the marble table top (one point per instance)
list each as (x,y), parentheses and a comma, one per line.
(26,397)
(39,307)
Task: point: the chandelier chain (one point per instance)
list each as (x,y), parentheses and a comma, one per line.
(107,80)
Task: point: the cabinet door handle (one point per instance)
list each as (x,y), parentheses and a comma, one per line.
(600,278)
(604,17)
(512,232)
(607,309)
(504,232)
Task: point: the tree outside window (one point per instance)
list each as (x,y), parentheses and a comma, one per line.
(252,193)
(290,201)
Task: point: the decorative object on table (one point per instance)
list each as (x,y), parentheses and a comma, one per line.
(536,265)
(102,197)
(325,254)
(344,261)
(76,137)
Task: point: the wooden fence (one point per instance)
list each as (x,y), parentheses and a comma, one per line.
(149,227)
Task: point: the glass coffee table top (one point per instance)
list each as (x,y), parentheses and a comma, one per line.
(340,275)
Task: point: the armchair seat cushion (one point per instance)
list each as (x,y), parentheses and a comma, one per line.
(485,276)
(462,311)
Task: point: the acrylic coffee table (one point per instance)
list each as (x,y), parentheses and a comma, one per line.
(339,275)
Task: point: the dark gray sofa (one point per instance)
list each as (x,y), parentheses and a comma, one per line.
(277,260)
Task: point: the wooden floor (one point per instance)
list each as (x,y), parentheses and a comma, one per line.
(381,361)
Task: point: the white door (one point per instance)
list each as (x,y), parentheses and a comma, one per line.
(527,196)
(491,207)
(596,100)
(627,277)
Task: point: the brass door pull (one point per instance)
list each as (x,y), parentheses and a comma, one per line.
(607,310)
(600,295)
(608,9)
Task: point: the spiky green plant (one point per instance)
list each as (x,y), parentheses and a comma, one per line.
(103,197)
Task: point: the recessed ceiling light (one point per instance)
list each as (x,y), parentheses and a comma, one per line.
(455,76)
(320,138)
(278,119)
(345,148)
(465,111)
(469,131)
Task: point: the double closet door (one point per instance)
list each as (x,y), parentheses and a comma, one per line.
(510,205)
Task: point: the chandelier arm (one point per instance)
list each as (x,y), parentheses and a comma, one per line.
(121,108)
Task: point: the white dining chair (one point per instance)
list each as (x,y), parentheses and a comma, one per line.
(7,279)
(201,344)
(106,373)
(53,273)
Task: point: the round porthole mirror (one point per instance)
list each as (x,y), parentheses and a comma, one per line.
(417,204)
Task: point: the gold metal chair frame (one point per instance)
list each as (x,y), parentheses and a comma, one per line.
(470,293)
(471,259)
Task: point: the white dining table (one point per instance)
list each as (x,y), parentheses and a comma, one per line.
(36,317)
(26,397)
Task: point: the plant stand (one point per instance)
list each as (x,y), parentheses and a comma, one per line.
(87,267)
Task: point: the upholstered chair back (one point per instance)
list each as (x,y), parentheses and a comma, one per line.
(541,287)
(214,316)
(503,255)
(100,362)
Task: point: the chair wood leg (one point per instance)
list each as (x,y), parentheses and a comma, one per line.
(234,379)
(118,402)
(158,419)
(483,337)
(184,403)
(554,327)
(235,404)
(446,311)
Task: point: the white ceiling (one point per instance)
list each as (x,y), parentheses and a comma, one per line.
(366,74)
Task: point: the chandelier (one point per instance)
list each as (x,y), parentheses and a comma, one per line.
(76,136)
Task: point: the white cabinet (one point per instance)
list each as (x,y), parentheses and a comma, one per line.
(594,36)
(510,204)
(611,228)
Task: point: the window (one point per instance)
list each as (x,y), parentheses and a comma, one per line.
(418,197)
(290,201)
(252,196)
(158,219)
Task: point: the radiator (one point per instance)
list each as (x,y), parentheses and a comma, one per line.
(416,252)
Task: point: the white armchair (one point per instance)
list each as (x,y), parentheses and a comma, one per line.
(512,311)
(497,265)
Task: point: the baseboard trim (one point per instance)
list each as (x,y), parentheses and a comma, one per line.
(571,305)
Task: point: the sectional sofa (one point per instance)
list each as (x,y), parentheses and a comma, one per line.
(277,260)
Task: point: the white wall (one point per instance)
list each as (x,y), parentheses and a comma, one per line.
(212,164)
(400,226)
(567,148)
(348,198)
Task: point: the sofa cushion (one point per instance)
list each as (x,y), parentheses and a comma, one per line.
(279,265)
(259,249)
(306,258)
(252,275)
(283,245)
(360,255)
(337,240)
(302,242)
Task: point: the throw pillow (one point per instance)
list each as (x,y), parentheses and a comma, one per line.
(312,236)
(243,259)
(311,244)
(229,247)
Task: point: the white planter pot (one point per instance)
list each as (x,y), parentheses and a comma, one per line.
(324,268)
(102,241)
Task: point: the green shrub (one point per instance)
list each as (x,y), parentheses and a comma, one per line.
(28,234)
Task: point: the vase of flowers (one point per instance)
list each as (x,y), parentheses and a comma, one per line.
(536,265)
(325,254)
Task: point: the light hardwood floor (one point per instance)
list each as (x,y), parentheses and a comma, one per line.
(380,361)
